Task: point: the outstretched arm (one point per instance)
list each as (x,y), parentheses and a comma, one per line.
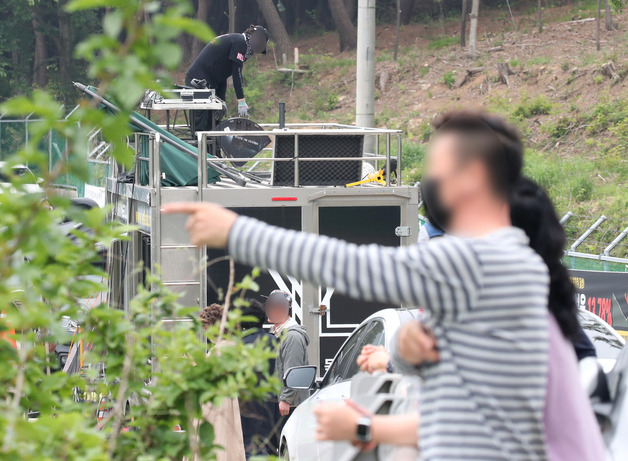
(442,277)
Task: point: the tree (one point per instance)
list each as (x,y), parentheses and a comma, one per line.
(277,30)
(473,27)
(539,9)
(344,26)
(40,57)
(463,23)
(407,7)
(351,7)
(608,15)
(202,13)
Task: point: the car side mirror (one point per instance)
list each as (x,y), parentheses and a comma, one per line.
(300,377)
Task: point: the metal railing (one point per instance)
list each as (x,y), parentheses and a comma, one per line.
(302,129)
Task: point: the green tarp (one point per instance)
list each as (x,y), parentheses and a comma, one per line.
(177,167)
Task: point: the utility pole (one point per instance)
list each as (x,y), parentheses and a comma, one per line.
(365,72)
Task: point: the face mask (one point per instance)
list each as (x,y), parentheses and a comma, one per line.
(438,214)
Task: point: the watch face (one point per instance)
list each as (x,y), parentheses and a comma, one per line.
(364,430)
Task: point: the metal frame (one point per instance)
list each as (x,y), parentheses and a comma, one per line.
(605,255)
(168,239)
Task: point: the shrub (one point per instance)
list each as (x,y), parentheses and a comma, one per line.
(533,107)
(449,79)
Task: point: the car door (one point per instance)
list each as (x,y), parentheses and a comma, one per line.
(300,429)
(339,377)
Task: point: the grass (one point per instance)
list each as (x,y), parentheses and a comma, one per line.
(443,41)
(533,107)
(539,61)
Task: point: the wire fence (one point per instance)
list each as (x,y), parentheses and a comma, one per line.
(14,134)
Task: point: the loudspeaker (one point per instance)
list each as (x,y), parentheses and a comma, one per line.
(318,173)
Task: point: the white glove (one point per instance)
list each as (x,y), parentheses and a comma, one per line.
(243,108)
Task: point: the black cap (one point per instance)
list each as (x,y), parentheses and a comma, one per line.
(265,32)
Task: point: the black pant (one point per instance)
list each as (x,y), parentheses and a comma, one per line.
(203,118)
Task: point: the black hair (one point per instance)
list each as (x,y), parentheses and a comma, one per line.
(490,139)
(532,210)
(254,309)
(211,315)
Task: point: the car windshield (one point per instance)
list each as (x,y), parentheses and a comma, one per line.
(607,346)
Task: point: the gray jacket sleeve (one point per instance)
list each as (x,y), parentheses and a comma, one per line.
(293,353)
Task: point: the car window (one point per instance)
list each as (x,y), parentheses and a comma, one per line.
(347,354)
(607,346)
(374,335)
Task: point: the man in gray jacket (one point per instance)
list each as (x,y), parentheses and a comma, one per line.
(293,348)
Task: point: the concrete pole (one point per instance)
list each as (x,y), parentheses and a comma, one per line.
(365,73)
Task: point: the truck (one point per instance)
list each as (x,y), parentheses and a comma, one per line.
(310,177)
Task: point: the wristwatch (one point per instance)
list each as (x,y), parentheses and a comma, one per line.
(364,429)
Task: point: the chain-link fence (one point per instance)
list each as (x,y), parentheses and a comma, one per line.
(14,134)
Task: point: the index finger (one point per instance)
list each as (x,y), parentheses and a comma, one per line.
(181,207)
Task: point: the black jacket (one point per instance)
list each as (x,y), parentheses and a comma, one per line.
(259,418)
(221,58)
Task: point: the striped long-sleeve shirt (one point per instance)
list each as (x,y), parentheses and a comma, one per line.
(487,297)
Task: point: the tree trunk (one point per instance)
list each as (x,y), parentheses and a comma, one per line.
(277,29)
(344,26)
(597,27)
(351,7)
(232,16)
(202,13)
(463,23)
(473,27)
(539,8)
(65,50)
(608,15)
(40,76)
(407,6)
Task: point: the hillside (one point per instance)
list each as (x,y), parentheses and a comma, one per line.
(573,117)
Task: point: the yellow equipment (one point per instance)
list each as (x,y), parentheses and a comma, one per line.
(376,176)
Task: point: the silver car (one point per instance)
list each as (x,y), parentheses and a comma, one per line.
(298,440)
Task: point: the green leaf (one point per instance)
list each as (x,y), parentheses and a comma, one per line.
(78,5)
(169,53)
(191,26)
(112,23)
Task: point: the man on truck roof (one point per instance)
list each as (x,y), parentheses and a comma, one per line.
(224,57)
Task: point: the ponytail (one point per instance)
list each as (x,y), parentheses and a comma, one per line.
(532,211)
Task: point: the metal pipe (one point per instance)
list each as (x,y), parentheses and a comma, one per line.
(615,242)
(588,232)
(388,159)
(566,218)
(365,70)
(220,169)
(282,115)
(296,160)
(613,259)
(399,181)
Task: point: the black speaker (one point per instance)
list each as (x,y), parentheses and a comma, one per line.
(318,173)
